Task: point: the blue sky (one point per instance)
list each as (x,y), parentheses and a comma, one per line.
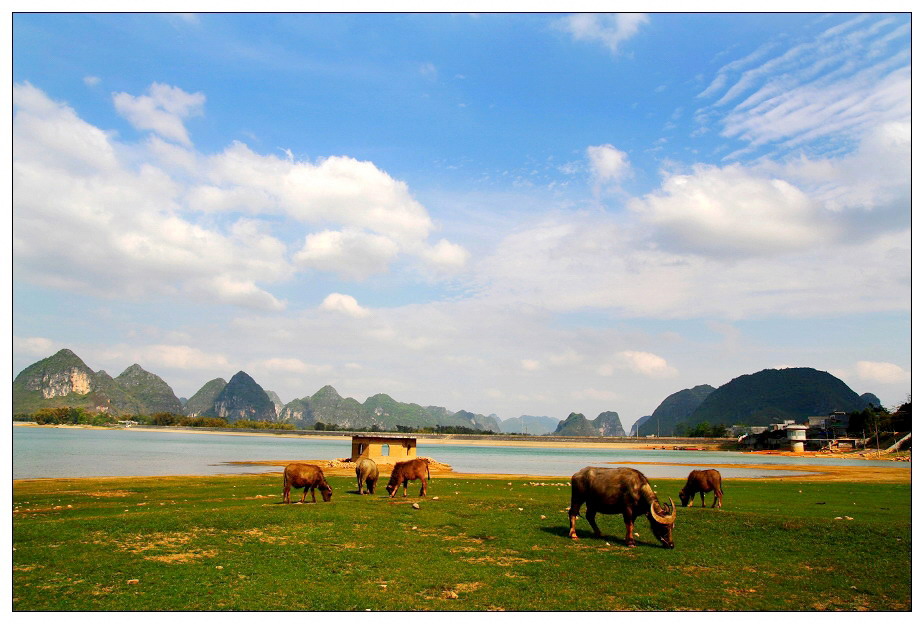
(504,213)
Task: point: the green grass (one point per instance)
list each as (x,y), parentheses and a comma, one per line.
(225,543)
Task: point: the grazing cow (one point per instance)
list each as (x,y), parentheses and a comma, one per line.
(702,481)
(623,491)
(367,473)
(409,471)
(305,476)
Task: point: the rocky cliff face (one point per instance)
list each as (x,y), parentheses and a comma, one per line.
(59,375)
(62,383)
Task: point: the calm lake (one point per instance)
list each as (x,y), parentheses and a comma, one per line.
(40,452)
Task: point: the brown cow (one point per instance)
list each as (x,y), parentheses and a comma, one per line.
(305,476)
(409,471)
(367,473)
(623,491)
(702,481)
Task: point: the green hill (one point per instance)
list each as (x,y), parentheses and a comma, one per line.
(242,399)
(775,395)
(204,398)
(152,392)
(575,425)
(673,411)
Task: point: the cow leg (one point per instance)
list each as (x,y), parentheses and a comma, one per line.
(405,487)
(591,518)
(423,487)
(304,494)
(630,529)
(702,498)
(285,493)
(313,499)
(718,498)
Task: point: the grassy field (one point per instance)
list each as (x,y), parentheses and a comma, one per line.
(225,543)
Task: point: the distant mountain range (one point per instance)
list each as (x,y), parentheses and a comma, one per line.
(64,380)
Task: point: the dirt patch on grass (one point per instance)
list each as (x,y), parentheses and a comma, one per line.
(502,560)
(108,494)
(183,557)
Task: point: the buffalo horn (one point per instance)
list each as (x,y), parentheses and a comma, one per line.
(664,519)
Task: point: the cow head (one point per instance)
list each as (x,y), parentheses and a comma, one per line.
(662,518)
(685,499)
(391,488)
(326,492)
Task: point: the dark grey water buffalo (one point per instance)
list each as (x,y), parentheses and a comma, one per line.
(367,473)
(702,481)
(409,471)
(620,491)
(305,476)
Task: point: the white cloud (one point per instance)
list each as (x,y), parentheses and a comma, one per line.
(351,254)
(648,364)
(86,221)
(338,189)
(91,81)
(289,365)
(445,256)
(181,357)
(158,218)
(882,372)
(610,29)
(608,165)
(344,304)
(162,110)
(733,211)
(530,365)
(820,92)
(33,345)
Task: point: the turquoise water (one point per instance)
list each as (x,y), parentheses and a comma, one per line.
(49,452)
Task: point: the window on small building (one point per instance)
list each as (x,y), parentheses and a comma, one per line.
(385,450)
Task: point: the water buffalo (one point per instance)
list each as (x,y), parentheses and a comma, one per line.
(409,471)
(305,476)
(623,491)
(367,473)
(702,481)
